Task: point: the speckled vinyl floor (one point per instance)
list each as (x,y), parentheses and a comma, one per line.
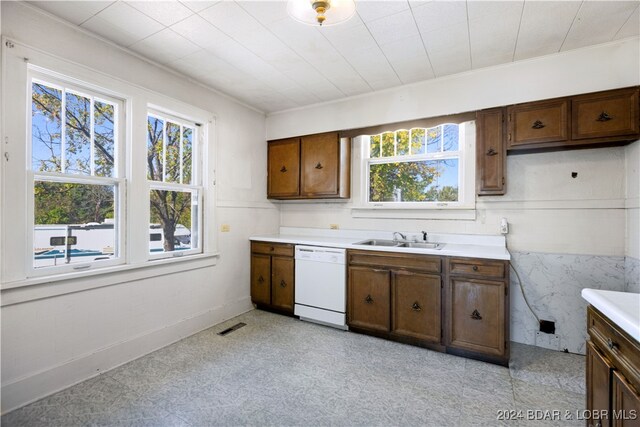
(281,371)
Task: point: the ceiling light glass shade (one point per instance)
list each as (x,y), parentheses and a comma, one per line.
(321,12)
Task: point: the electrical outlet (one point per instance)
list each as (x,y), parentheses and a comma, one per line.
(550,341)
(225,228)
(504,226)
(333,226)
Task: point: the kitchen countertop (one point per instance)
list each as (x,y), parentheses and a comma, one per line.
(471,248)
(622,308)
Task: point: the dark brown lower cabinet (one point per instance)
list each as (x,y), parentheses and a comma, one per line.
(416,305)
(599,371)
(272,276)
(613,374)
(369,298)
(476,315)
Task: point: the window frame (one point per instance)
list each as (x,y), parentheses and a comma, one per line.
(197,165)
(118,180)
(466,168)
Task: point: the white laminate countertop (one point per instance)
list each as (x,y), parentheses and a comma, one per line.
(623,308)
(457,245)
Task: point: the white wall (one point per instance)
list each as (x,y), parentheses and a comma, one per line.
(632,155)
(52,342)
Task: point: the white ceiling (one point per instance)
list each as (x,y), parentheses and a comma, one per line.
(254,52)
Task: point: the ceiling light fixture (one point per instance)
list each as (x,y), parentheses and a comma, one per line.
(321,12)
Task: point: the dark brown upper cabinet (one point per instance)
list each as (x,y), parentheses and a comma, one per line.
(606,115)
(596,119)
(284,168)
(538,123)
(490,152)
(309,167)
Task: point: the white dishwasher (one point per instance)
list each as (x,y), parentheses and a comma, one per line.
(321,285)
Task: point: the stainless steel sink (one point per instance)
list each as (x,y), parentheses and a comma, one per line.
(379,242)
(421,245)
(396,244)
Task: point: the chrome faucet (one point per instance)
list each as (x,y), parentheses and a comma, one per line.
(424,236)
(400,234)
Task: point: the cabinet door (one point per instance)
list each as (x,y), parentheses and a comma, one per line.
(606,114)
(320,160)
(538,122)
(261,279)
(369,299)
(598,385)
(282,285)
(416,305)
(626,403)
(476,315)
(490,153)
(284,168)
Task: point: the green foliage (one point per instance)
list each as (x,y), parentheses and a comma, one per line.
(412,178)
(63,203)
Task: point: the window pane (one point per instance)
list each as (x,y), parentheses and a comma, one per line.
(417,141)
(450,138)
(444,188)
(402,142)
(433,139)
(173,216)
(401,181)
(155,149)
(46,126)
(84,212)
(374,147)
(172,156)
(388,142)
(104,138)
(78,134)
(187,154)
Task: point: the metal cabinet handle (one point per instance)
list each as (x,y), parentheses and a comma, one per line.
(272,249)
(604,117)
(368,299)
(319,166)
(476,315)
(537,125)
(611,344)
(475,268)
(491,152)
(416,306)
(260,279)
(283,169)
(283,284)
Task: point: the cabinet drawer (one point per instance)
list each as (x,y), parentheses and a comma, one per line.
(538,122)
(282,249)
(476,267)
(606,114)
(426,263)
(624,352)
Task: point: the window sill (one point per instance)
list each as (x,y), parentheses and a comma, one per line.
(461,213)
(48,286)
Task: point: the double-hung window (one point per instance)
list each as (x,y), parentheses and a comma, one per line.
(76,176)
(418,167)
(175,185)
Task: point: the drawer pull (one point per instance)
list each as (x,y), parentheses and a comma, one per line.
(604,117)
(611,344)
(537,125)
(491,152)
(368,299)
(283,169)
(272,249)
(476,315)
(475,268)
(283,284)
(319,166)
(260,279)
(416,306)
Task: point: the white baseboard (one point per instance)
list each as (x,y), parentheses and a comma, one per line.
(28,389)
